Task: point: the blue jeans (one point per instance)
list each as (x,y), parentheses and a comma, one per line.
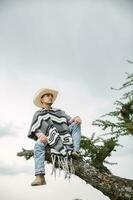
(39,148)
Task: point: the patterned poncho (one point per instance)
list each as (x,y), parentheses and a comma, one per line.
(54,123)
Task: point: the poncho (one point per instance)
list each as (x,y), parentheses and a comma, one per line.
(54,123)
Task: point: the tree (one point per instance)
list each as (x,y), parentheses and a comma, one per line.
(94,151)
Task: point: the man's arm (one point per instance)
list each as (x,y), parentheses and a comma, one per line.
(70,120)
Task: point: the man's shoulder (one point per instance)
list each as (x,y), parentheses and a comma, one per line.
(56,109)
(43,110)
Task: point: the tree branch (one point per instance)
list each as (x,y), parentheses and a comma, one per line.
(114,187)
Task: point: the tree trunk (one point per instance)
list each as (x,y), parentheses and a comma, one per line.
(114,187)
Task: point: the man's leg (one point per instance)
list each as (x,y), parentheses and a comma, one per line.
(75,130)
(39,158)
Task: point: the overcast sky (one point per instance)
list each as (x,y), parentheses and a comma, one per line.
(77,47)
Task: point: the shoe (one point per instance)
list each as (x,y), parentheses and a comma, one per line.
(75,155)
(39,180)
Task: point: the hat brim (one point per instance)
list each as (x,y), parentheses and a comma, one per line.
(40,93)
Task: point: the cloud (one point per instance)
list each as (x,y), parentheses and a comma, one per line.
(123,168)
(7,130)
(18,187)
(12,169)
(127,147)
(67,41)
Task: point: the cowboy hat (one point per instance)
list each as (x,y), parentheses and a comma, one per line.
(40,93)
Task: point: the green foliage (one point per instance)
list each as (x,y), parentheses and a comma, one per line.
(96,150)
(123,114)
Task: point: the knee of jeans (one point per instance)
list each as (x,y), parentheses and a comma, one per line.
(39,144)
(74,125)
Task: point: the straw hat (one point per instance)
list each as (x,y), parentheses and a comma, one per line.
(40,93)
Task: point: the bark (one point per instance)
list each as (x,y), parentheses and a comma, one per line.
(114,187)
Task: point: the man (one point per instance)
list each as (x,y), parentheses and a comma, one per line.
(54,127)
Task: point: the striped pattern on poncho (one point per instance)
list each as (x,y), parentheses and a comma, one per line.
(54,124)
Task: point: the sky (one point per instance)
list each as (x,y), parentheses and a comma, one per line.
(77,47)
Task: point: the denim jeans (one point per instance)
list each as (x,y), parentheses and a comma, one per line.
(39,148)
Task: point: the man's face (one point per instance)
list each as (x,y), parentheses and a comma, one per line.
(47,99)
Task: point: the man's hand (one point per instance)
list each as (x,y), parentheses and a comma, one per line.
(76,120)
(42,137)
